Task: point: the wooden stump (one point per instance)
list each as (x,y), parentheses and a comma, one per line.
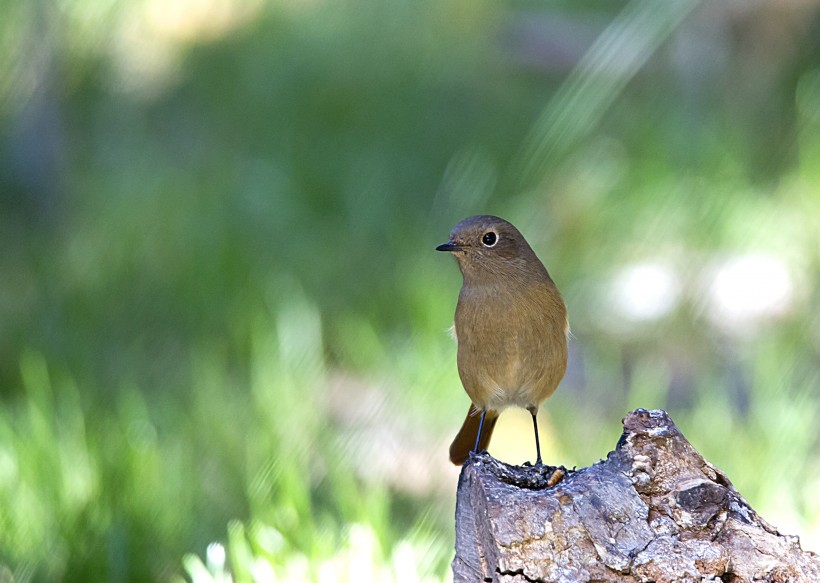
(654,511)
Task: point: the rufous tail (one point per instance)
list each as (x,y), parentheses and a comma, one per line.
(464,442)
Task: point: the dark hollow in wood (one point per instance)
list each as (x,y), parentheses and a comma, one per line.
(654,511)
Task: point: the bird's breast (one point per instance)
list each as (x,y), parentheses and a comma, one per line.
(511,346)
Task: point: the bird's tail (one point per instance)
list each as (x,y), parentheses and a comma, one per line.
(464,442)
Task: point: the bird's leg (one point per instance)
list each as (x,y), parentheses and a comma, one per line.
(533,410)
(480,427)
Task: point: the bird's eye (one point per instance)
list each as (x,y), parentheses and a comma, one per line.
(489,239)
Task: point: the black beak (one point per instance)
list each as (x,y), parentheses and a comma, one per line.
(449,246)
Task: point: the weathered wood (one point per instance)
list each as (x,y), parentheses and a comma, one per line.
(654,511)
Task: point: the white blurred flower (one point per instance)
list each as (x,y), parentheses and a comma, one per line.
(215,558)
(745,289)
(645,291)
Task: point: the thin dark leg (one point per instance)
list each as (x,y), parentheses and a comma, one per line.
(480,427)
(537,443)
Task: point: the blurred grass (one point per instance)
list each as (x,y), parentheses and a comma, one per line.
(222,324)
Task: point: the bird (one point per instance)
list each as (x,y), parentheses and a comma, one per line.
(511,326)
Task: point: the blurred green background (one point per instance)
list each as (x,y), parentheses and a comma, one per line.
(223,327)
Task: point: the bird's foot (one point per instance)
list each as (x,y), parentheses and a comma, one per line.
(478,454)
(538,463)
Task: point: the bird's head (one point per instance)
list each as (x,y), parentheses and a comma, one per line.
(485,244)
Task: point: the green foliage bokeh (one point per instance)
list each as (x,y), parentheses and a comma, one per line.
(221,315)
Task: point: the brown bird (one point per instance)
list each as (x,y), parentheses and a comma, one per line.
(511,326)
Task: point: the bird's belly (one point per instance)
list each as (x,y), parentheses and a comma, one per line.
(512,381)
(520,396)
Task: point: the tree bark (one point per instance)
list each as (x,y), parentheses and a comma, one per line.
(654,511)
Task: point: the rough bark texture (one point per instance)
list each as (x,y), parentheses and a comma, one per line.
(654,511)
